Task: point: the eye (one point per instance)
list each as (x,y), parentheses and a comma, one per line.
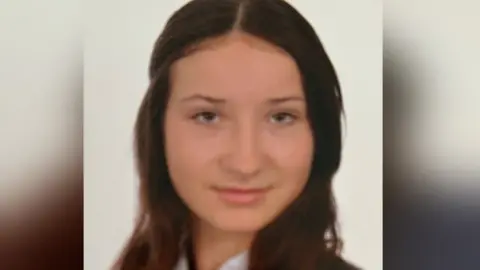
(206,117)
(283,118)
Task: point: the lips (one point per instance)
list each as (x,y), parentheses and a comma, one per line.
(241,196)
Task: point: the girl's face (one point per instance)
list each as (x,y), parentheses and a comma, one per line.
(238,143)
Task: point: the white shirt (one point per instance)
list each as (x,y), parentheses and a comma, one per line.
(237,262)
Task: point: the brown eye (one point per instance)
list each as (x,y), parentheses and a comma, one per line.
(206,117)
(283,118)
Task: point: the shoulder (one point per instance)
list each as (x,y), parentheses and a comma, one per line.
(341,264)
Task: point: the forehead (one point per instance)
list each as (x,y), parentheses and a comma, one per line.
(236,66)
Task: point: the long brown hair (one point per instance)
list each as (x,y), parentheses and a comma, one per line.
(305,235)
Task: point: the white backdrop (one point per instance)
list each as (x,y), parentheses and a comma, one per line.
(119,36)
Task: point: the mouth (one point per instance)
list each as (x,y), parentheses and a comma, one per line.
(241,196)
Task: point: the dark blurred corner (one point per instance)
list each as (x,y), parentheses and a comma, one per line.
(41,204)
(431,212)
(53,237)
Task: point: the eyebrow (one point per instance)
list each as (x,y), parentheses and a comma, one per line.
(285,99)
(214,100)
(204,98)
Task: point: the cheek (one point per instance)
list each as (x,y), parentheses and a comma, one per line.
(292,152)
(293,159)
(187,140)
(189,155)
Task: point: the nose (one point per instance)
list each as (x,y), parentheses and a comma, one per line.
(244,157)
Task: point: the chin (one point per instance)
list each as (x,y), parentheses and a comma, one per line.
(240,228)
(239,224)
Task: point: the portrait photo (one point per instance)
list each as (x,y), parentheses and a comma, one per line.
(233,135)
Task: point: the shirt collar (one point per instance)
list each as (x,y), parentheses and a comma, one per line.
(237,262)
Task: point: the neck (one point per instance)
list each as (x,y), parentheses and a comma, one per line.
(213,247)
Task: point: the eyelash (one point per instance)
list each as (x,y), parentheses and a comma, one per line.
(291,116)
(209,114)
(196,116)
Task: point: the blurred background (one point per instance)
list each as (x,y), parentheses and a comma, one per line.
(431,132)
(41,173)
(431,135)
